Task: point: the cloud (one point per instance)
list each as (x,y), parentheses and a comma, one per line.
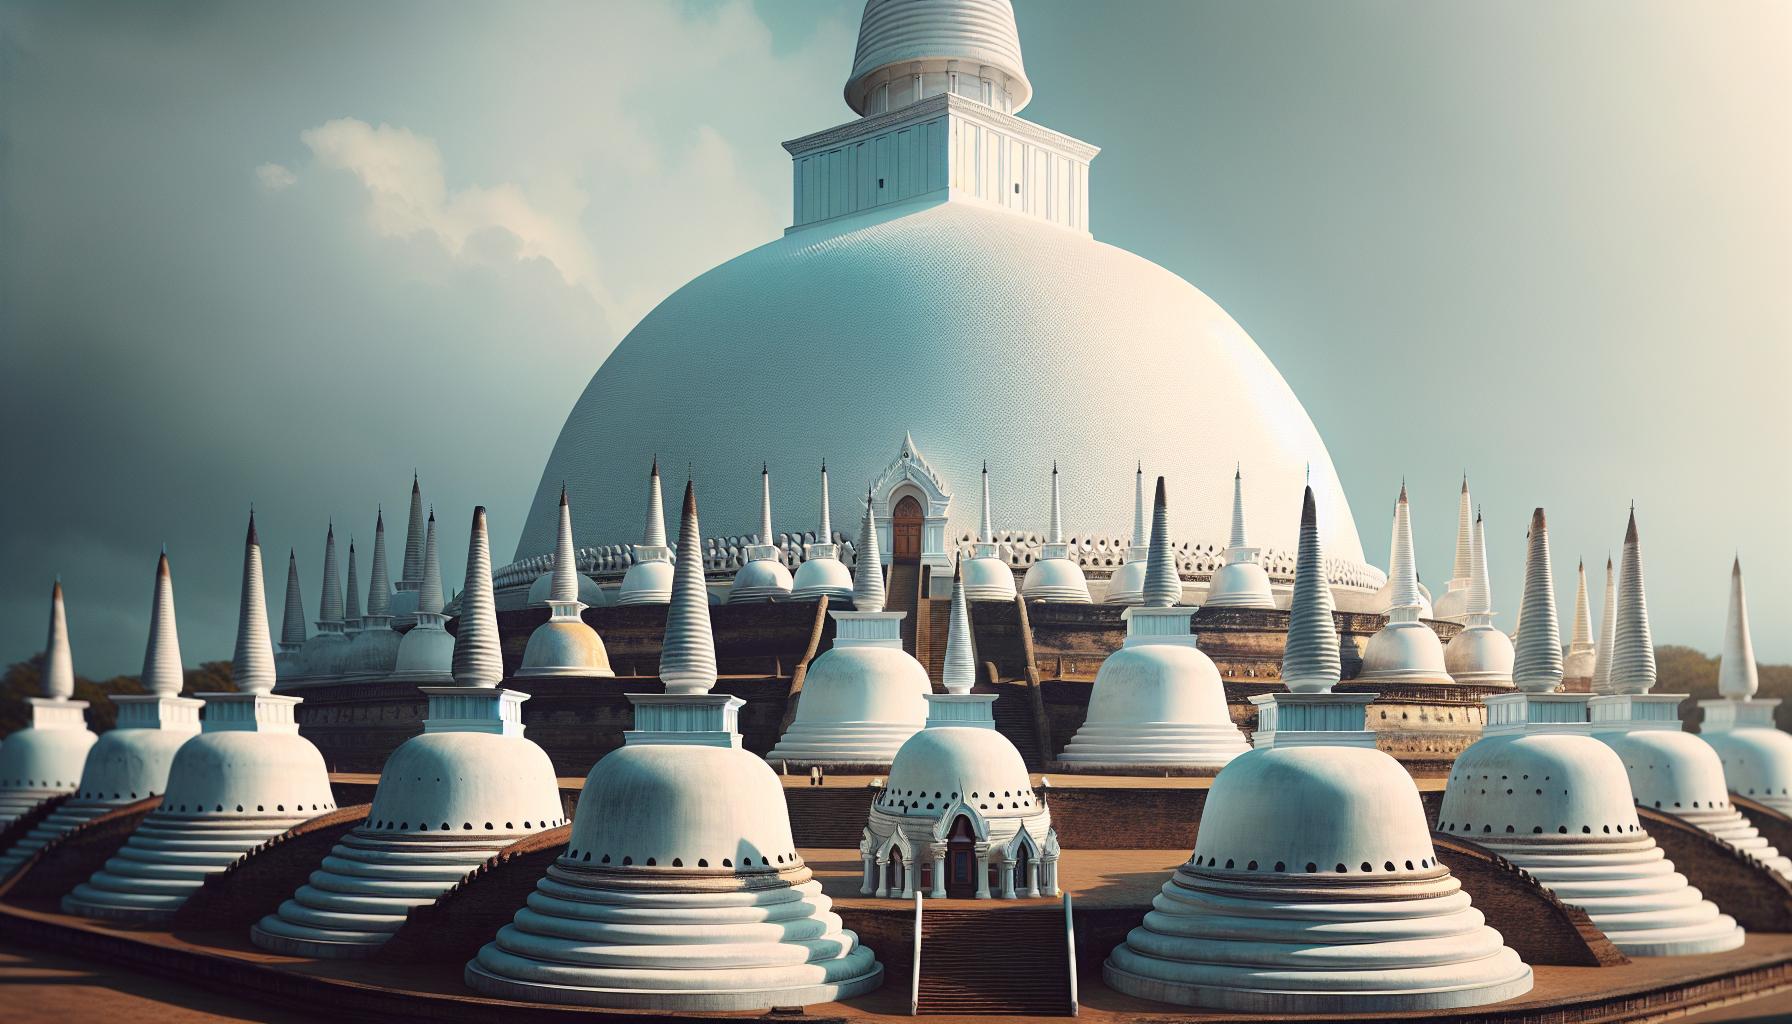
(274,177)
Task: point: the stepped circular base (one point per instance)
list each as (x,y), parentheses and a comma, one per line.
(831,593)
(1154,744)
(481,980)
(1732,827)
(166,859)
(361,893)
(65,819)
(16,803)
(842,742)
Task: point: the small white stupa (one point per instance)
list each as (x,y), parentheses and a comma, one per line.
(373,652)
(681,889)
(44,759)
(1608,633)
(448,801)
(865,696)
(1127,583)
(1480,653)
(289,656)
(1670,769)
(248,777)
(564,645)
(959,806)
(1452,604)
(988,576)
(325,650)
(649,577)
(764,577)
(1158,701)
(1314,887)
(1240,582)
(1394,591)
(1579,662)
(1055,576)
(1405,650)
(130,761)
(1757,756)
(1538,790)
(426,654)
(822,574)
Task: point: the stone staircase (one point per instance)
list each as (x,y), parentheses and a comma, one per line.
(827,817)
(935,618)
(903,594)
(1010,961)
(1014,719)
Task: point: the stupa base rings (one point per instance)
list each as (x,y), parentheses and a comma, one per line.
(811,593)
(16,803)
(1428,677)
(747,595)
(1154,745)
(846,743)
(1729,825)
(63,820)
(268,934)
(1270,999)
(854,974)
(565,673)
(1465,678)
(165,861)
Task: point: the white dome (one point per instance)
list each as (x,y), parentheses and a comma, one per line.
(695,807)
(564,649)
(762,579)
(44,759)
(1239,585)
(425,655)
(1538,784)
(1055,579)
(248,773)
(859,704)
(973,32)
(1670,770)
(646,583)
(988,579)
(1127,584)
(323,655)
(1480,654)
(941,762)
(1074,310)
(469,781)
(590,593)
(818,576)
(372,653)
(130,764)
(1757,763)
(1407,652)
(1157,704)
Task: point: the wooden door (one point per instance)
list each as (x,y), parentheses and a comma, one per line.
(905,529)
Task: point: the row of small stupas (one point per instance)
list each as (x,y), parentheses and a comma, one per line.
(680,887)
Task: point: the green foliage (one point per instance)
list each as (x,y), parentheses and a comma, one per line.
(1684,670)
(21,681)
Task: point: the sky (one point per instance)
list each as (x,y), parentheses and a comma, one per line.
(286,254)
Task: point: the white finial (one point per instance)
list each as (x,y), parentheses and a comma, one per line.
(960,671)
(989,533)
(1608,633)
(765,505)
(688,652)
(429,596)
(329,603)
(1537,666)
(563,588)
(1139,536)
(1404,602)
(292,629)
(1633,650)
(654,535)
(162,672)
(1737,676)
(252,667)
(1310,659)
(58,682)
(1582,636)
(1465,557)
(868,569)
(379,581)
(1057,521)
(825,533)
(351,616)
(412,575)
(1238,539)
(477,658)
(1163,584)
(1480,588)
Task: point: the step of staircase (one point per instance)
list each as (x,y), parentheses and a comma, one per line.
(1009,963)
(827,817)
(1014,719)
(903,594)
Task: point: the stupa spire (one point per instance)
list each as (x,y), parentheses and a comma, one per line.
(1465,556)
(1138,506)
(1633,650)
(252,667)
(412,575)
(162,672)
(58,680)
(1582,636)
(988,535)
(1737,676)
(1538,665)
(826,529)
(1056,531)
(1163,584)
(379,581)
(1480,588)
(1608,632)
(765,505)
(868,569)
(564,587)
(1238,538)
(1403,599)
(292,628)
(429,596)
(351,616)
(1310,661)
(688,653)
(329,603)
(477,660)
(653,535)
(960,671)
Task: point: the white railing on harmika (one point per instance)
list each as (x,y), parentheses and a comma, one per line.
(914,976)
(1070,945)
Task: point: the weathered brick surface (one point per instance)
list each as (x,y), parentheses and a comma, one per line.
(1757,897)
(1541,928)
(452,929)
(69,860)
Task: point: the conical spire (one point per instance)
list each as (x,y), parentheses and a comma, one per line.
(429,595)
(1737,676)
(1138,507)
(1403,594)
(825,532)
(1582,637)
(1237,540)
(1163,584)
(292,628)
(58,681)
(1310,660)
(413,539)
(329,603)
(162,673)
(1633,650)
(1480,588)
(1608,632)
(1056,533)
(252,667)
(1537,666)
(352,614)
(654,535)
(379,581)
(960,671)
(765,505)
(688,653)
(477,659)
(868,569)
(564,587)
(1465,556)
(988,536)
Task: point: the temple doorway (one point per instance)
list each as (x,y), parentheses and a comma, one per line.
(906,521)
(961,860)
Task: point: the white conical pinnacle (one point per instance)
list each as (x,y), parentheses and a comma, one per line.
(563,588)
(1480,588)
(329,603)
(1237,540)
(413,537)
(1404,602)
(1310,660)
(960,671)
(162,673)
(1163,584)
(1737,676)
(252,666)
(765,505)
(1465,556)
(1608,633)
(477,658)
(1633,650)
(1537,664)
(688,651)
(379,581)
(1581,637)
(292,628)
(653,535)
(1139,537)
(58,681)
(868,568)
(825,531)
(429,594)
(351,614)
(1055,534)
(988,535)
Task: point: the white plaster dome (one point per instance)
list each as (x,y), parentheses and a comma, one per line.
(129,764)
(469,782)
(1757,763)
(1036,307)
(858,705)
(1055,579)
(762,579)
(670,806)
(590,594)
(937,765)
(44,759)
(1157,703)
(1681,774)
(1538,784)
(819,576)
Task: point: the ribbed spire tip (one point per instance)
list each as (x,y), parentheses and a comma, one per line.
(1538,520)
(1630,530)
(1309,512)
(690,498)
(253,538)
(1160,501)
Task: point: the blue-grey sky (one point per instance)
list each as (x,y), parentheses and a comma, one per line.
(286,253)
